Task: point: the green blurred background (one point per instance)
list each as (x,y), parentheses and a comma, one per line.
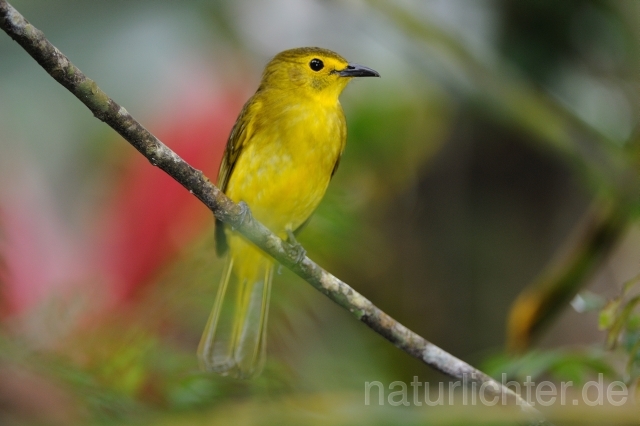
(500,133)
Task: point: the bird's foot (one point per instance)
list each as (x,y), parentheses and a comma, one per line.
(295,251)
(244,214)
(241,217)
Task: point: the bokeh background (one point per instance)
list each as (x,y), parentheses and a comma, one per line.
(489,178)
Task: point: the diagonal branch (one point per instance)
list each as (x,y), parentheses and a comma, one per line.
(108,111)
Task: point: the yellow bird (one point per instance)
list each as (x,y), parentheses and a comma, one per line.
(282,152)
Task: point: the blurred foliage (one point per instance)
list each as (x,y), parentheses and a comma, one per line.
(620,318)
(498,129)
(559,365)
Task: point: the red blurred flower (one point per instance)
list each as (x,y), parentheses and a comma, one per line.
(147,219)
(152,216)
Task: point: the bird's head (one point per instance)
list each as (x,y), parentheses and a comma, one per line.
(312,71)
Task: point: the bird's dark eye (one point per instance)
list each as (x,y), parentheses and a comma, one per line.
(316,64)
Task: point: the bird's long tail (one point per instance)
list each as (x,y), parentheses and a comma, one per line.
(234,339)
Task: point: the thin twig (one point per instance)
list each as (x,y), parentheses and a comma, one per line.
(107,110)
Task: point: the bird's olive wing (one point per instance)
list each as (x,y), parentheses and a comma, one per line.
(238,138)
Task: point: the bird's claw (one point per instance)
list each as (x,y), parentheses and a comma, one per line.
(295,251)
(245,212)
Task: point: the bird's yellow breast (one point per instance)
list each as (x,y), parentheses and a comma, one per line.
(287,161)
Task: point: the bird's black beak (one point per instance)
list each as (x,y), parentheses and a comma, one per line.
(355,70)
